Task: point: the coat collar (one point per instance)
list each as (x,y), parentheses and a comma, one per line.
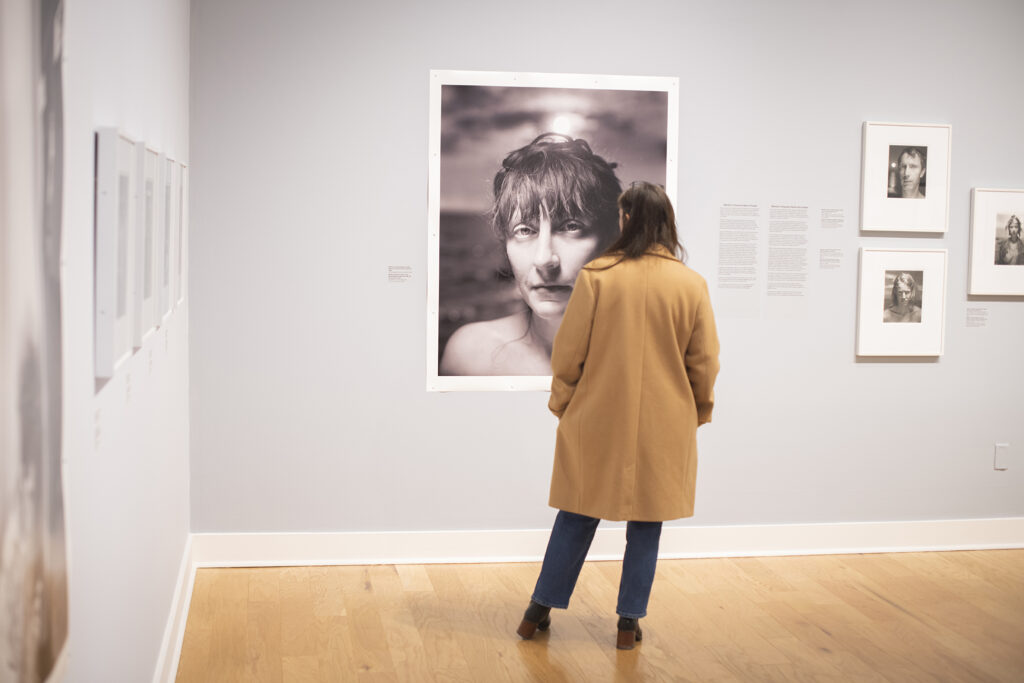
(659,249)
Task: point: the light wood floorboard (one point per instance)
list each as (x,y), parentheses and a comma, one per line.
(879,618)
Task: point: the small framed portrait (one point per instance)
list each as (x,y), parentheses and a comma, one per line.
(905,177)
(172,238)
(997,244)
(168,207)
(114,258)
(179,238)
(144,281)
(901,309)
(525,173)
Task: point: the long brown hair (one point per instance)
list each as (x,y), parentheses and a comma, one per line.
(647,220)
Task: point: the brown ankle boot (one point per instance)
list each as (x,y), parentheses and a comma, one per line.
(537,616)
(629,633)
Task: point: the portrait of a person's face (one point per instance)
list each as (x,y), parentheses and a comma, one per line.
(529,183)
(907,172)
(904,293)
(546,253)
(904,296)
(911,172)
(1009,245)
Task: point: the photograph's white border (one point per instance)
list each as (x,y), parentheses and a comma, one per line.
(115,155)
(986,278)
(878,212)
(523,80)
(876,338)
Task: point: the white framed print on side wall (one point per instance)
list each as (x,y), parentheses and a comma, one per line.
(905,170)
(171,238)
(166,211)
(901,306)
(115,217)
(491,312)
(997,245)
(182,224)
(144,281)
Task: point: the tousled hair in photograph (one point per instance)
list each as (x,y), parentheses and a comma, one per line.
(905,279)
(562,173)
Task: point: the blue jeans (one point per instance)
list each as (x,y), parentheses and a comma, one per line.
(567,548)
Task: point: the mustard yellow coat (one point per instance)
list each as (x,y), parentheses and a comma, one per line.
(633,370)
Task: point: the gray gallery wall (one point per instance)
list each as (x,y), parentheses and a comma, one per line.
(309,177)
(126,64)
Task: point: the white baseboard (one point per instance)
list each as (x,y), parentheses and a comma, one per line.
(174,632)
(427,547)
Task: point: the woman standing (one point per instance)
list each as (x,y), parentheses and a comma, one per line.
(634,365)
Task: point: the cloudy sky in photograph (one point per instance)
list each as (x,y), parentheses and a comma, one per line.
(480,125)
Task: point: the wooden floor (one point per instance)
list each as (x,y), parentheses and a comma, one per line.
(953,616)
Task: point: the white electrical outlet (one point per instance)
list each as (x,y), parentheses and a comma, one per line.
(1002,457)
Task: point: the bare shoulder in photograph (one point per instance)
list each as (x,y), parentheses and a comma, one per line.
(904,303)
(554,209)
(1009,248)
(907,167)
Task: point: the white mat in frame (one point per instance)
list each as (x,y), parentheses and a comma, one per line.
(114,262)
(885,274)
(997,257)
(882,206)
(144,285)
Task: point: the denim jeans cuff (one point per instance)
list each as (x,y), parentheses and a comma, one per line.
(549,603)
(631,615)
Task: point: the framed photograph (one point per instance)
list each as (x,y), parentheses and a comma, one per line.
(901,309)
(997,245)
(179,245)
(525,172)
(905,177)
(114,232)
(163,250)
(144,280)
(172,236)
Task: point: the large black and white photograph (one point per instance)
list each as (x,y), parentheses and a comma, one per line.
(33,564)
(897,314)
(525,175)
(903,300)
(997,243)
(907,172)
(905,175)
